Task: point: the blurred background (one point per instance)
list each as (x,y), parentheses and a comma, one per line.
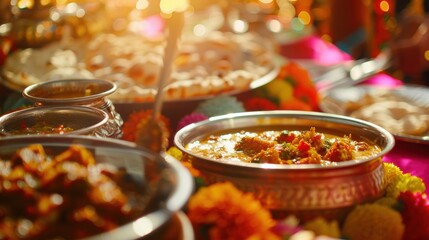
(360,28)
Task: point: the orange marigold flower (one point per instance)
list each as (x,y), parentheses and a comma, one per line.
(194,172)
(229,213)
(307,94)
(295,104)
(293,89)
(299,74)
(134,119)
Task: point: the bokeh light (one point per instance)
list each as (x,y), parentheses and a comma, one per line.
(286,12)
(240,26)
(200,30)
(297,25)
(384,6)
(274,25)
(142,4)
(170,6)
(305,17)
(25,4)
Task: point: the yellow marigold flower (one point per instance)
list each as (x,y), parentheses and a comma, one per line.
(280,90)
(321,227)
(229,213)
(397,182)
(406,182)
(175,152)
(373,222)
(391,173)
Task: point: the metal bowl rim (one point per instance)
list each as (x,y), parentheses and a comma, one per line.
(91,110)
(27,91)
(390,141)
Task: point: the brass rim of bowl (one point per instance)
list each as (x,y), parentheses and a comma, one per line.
(186,132)
(24,113)
(32,92)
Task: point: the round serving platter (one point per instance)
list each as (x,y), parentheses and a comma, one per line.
(336,100)
(179,107)
(176,108)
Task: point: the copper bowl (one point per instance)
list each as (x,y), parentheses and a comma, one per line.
(165,183)
(81,120)
(306,190)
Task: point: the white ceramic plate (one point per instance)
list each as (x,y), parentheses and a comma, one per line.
(337,101)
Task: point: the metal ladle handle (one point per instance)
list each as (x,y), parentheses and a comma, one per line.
(152,133)
(175,30)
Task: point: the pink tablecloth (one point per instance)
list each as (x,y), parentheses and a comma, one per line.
(410,157)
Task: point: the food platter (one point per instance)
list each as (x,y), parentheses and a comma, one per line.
(177,108)
(403,110)
(219,63)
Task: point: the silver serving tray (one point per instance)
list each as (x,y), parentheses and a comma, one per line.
(334,100)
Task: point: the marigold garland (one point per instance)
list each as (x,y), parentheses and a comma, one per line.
(217,207)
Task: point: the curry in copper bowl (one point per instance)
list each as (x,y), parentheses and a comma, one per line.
(306,163)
